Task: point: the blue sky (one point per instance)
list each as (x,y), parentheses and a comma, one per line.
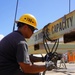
(45,11)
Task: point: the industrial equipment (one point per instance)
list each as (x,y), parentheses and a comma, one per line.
(46,40)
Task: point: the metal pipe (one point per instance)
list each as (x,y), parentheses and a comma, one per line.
(15,14)
(69,6)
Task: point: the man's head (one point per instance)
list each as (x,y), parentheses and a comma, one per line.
(28,19)
(26,22)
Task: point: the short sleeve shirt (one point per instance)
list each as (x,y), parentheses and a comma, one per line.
(22,52)
(13,49)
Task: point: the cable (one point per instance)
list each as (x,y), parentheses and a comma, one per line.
(15,14)
(46,39)
(46,45)
(55,45)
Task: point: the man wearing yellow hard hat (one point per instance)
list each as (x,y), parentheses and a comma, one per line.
(14,57)
(28,19)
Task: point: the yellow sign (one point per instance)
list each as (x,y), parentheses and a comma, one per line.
(57,29)
(62,26)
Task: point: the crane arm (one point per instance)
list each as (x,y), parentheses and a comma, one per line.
(55,30)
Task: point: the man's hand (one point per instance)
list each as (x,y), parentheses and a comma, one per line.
(48,56)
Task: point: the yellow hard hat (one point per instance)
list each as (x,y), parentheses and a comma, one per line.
(28,19)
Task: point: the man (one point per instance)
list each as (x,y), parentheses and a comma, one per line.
(14,57)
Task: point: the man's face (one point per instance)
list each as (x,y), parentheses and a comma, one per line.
(28,31)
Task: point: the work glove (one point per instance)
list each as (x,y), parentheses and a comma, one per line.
(50,65)
(48,56)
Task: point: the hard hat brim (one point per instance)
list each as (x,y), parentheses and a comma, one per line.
(19,21)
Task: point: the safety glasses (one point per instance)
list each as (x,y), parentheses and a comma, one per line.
(32,28)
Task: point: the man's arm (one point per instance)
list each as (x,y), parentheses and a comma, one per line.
(26,68)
